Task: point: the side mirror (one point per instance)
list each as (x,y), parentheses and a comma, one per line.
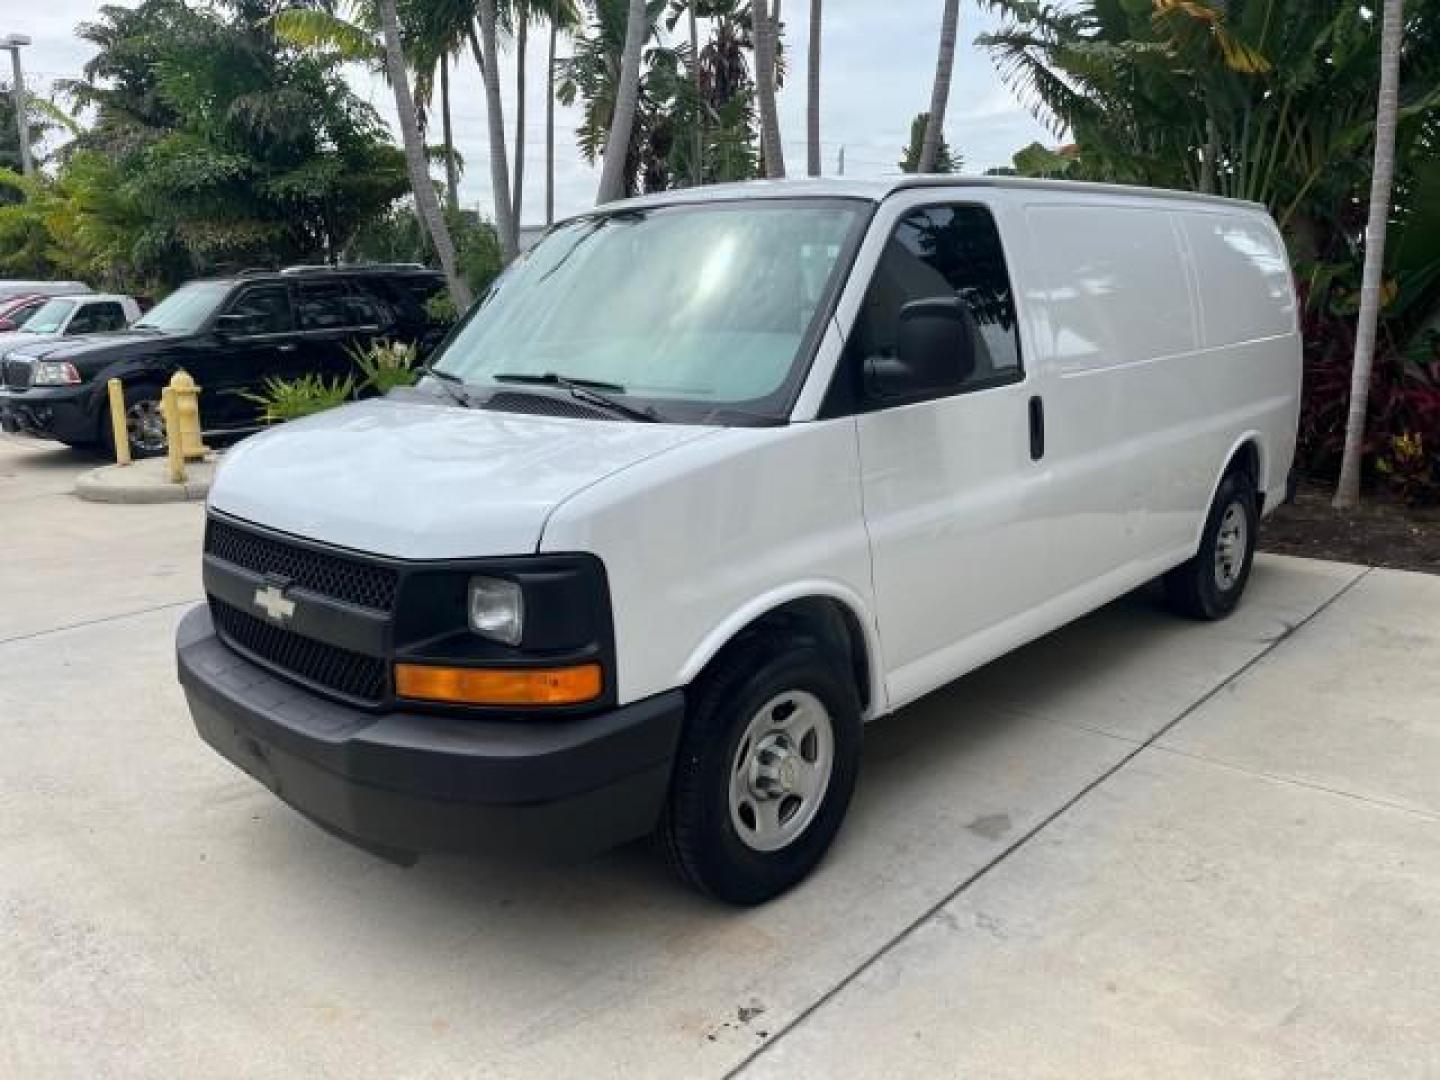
(228,326)
(935,351)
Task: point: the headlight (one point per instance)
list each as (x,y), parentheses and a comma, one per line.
(497,609)
(54,373)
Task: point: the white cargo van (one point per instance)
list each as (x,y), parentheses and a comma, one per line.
(711,478)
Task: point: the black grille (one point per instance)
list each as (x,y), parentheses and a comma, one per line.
(544,405)
(352,674)
(335,576)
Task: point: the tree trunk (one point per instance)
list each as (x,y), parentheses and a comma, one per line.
(627,100)
(522,41)
(812,108)
(940,95)
(765,40)
(697,134)
(499,168)
(452,176)
(427,204)
(550,128)
(1347,492)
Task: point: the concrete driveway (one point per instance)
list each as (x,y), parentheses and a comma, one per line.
(1139,847)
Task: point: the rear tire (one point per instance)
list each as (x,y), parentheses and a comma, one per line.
(1210,585)
(766,767)
(144,423)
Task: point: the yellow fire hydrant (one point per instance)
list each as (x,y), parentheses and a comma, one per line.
(186,396)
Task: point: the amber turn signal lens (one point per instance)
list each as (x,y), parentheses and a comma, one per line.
(499,686)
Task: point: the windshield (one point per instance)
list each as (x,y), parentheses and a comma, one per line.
(186,309)
(692,309)
(50,317)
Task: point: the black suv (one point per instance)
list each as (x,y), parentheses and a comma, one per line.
(230,334)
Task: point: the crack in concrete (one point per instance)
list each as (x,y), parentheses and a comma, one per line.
(100,621)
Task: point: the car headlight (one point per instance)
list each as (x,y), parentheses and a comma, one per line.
(497,609)
(54,373)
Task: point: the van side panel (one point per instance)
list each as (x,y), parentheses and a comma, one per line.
(1123,329)
(1250,317)
(1173,340)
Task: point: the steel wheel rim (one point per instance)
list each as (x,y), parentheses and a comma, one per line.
(145,424)
(781,769)
(1231,541)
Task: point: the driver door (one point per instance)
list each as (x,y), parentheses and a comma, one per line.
(953,494)
(257,341)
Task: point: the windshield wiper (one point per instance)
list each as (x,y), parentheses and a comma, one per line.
(587,390)
(452,385)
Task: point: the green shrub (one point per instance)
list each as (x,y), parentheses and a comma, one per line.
(385,365)
(290,399)
(441,309)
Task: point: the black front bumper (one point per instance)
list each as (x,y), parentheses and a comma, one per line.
(399,783)
(66,413)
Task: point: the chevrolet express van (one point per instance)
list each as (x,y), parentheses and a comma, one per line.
(711,478)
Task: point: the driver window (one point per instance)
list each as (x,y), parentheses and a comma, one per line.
(264,309)
(944,251)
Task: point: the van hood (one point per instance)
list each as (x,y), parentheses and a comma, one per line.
(420,479)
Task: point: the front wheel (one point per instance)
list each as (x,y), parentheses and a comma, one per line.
(1210,585)
(144,423)
(766,768)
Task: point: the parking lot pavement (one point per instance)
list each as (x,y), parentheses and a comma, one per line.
(1062,864)
(68,562)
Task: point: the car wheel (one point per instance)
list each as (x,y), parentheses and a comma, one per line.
(144,423)
(1210,585)
(766,768)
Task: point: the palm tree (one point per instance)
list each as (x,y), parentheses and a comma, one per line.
(488,59)
(627,100)
(812,109)
(940,94)
(1347,491)
(452,177)
(697,133)
(562,15)
(765,42)
(311,28)
(520,12)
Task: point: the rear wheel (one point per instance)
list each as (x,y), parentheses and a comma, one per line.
(1210,585)
(144,423)
(766,768)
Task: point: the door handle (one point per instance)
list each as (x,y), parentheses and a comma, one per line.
(1037,429)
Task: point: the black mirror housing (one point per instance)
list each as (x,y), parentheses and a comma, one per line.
(230,326)
(935,351)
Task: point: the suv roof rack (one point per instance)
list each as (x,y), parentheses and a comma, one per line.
(352,268)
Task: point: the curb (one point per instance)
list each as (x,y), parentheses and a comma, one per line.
(144,482)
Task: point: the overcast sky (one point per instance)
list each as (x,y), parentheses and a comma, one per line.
(879,58)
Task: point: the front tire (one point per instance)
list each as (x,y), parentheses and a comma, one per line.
(766,768)
(144,423)
(1210,585)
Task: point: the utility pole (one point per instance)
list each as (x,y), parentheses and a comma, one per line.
(840,165)
(15,42)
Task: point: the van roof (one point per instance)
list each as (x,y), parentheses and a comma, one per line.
(880,188)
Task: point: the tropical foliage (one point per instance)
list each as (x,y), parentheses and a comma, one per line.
(385,365)
(946,160)
(291,399)
(211,146)
(693,97)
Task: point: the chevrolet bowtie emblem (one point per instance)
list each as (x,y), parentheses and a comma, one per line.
(274,603)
